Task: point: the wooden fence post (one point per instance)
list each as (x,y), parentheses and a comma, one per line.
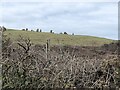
(47,48)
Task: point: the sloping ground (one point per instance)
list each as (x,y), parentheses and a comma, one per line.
(57,39)
(86,51)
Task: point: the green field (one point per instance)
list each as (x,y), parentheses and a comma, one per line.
(55,39)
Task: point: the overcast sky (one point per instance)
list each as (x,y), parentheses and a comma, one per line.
(82,18)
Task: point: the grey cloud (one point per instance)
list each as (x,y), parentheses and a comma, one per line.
(81,18)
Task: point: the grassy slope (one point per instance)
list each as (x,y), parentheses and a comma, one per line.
(40,38)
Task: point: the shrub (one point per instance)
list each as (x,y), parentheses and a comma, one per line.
(26,65)
(4,29)
(40,30)
(65,32)
(23,29)
(26,29)
(37,30)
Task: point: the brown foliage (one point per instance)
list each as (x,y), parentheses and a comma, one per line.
(25,66)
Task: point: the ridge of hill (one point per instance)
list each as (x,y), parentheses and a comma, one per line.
(57,39)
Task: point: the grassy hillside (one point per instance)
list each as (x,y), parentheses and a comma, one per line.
(55,39)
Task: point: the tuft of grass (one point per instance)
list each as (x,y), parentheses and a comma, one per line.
(57,39)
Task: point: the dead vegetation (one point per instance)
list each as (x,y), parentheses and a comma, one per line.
(26,65)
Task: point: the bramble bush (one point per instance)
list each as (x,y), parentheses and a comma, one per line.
(26,65)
